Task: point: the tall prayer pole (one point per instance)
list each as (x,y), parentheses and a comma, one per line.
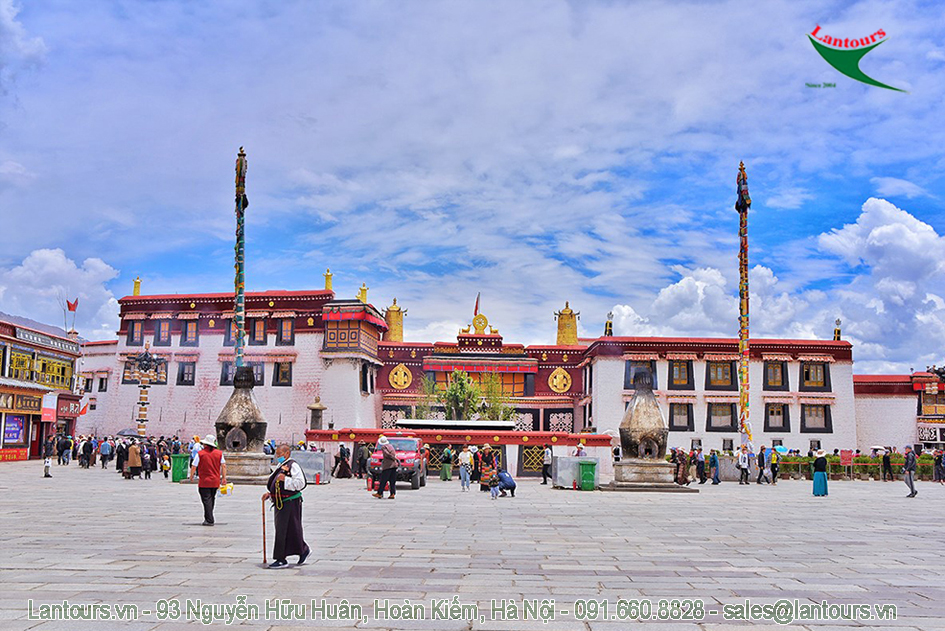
(240,286)
(742,205)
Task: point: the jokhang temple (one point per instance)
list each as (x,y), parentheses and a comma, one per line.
(309,349)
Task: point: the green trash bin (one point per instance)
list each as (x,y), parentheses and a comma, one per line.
(180,465)
(588,469)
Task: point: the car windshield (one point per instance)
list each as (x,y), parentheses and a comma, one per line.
(404,444)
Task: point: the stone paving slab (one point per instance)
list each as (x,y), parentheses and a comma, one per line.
(88,536)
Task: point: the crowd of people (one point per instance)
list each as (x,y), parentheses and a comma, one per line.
(134,457)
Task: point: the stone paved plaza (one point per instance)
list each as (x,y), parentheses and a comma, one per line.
(92,537)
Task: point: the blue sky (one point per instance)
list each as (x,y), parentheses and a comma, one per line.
(536,152)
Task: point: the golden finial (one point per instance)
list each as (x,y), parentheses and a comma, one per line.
(362,293)
(327,276)
(394,316)
(137,287)
(567,326)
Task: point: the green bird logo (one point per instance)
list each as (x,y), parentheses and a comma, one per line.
(845,54)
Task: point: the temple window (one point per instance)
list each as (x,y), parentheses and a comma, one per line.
(227,372)
(188,336)
(719,375)
(134,334)
(282,374)
(777,417)
(680,375)
(257,332)
(162,333)
(776,375)
(186,373)
(286,336)
(721,417)
(816,418)
(631,369)
(259,373)
(815,376)
(21,366)
(933,404)
(680,417)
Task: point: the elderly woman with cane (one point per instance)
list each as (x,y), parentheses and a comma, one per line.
(285,491)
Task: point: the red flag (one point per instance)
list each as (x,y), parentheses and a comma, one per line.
(85,408)
(475,311)
(73,305)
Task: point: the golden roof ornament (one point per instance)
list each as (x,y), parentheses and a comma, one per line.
(394,316)
(137,287)
(362,293)
(567,325)
(327,276)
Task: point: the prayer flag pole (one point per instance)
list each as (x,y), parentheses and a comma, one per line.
(742,205)
(240,285)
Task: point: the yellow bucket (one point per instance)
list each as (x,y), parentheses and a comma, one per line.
(226,489)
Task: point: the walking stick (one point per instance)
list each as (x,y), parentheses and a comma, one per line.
(264,530)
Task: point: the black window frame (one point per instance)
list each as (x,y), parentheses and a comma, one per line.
(87,384)
(733,370)
(128,380)
(103,384)
(180,374)
(690,423)
(259,372)
(629,371)
(708,418)
(785,381)
(226,379)
(828,420)
(364,381)
(275,374)
(251,338)
(730,446)
(805,388)
(777,442)
(690,383)
(184,336)
(228,339)
(786,429)
(135,325)
(158,341)
(815,444)
(281,341)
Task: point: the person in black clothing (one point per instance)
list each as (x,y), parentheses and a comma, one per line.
(908,471)
(887,468)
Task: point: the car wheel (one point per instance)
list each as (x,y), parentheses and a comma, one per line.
(415,480)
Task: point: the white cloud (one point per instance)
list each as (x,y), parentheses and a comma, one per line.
(892,307)
(17,49)
(895,187)
(788,198)
(34,288)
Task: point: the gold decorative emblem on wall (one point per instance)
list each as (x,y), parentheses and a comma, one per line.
(413,353)
(559,380)
(272,304)
(400,377)
(544,357)
(211,323)
(311,321)
(390,353)
(192,305)
(564,357)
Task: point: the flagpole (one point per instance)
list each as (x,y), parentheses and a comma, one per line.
(239,284)
(742,205)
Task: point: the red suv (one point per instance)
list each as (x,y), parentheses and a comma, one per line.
(411,463)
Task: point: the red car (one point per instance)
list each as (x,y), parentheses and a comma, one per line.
(411,461)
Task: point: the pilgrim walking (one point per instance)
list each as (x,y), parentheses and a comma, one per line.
(210,467)
(285,491)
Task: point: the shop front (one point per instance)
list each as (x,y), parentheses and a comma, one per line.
(19,413)
(67,411)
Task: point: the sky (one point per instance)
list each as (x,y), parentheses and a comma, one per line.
(535,152)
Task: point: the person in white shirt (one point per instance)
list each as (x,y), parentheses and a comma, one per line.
(465,467)
(744,460)
(546,464)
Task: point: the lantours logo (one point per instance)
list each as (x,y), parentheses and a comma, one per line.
(845,54)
